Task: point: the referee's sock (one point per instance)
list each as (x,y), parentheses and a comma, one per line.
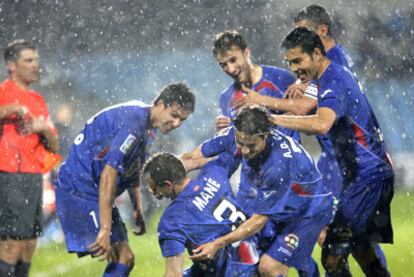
(7,269)
(22,269)
(116,270)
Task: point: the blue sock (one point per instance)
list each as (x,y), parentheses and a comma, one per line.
(381,255)
(116,270)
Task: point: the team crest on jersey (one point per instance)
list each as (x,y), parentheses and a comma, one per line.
(292,241)
(127,143)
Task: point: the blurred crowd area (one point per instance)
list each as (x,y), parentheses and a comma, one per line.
(99,53)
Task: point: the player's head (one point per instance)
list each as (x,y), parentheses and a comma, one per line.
(315,18)
(22,61)
(172,106)
(231,52)
(164,174)
(252,128)
(304,53)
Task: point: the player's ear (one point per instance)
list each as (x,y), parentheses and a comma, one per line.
(317,53)
(323,30)
(11,66)
(247,52)
(168,184)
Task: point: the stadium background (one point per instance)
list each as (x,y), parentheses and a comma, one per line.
(99,53)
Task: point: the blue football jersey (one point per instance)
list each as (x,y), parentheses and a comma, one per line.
(116,136)
(327,165)
(273,83)
(288,165)
(203,211)
(286,180)
(356,137)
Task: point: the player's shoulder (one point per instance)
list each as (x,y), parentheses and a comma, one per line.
(228,91)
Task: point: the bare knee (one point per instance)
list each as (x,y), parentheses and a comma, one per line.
(269,267)
(10,251)
(28,249)
(126,256)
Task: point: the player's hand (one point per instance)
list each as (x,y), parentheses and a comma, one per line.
(222,122)
(251,97)
(206,251)
(273,118)
(295,90)
(139,228)
(19,110)
(101,248)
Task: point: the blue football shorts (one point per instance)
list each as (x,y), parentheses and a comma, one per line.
(79,218)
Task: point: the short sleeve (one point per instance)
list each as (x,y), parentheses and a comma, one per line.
(171,237)
(334,98)
(221,142)
(123,144)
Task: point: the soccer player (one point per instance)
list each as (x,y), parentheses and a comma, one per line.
(346,117)
(253,84)
(103,162)
(201,210)
(286,189)
(318,20)
(28,148)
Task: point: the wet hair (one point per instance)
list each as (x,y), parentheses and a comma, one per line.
(14,48)
(224,41)
(163,167)
(252,120)
(316,15)
(305,38)
(177,93)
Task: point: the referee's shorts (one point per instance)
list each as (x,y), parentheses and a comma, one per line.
(20,205)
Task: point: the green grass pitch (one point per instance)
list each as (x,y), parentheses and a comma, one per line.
(53,260)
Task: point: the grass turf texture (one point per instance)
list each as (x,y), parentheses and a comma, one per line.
(53,260)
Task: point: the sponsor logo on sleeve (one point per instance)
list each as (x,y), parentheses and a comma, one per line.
(292,241)
(127,143)
(325,93)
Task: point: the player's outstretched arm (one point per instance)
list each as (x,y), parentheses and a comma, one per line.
(107,188)
(174,266)
(320,123)
(249,227)
(296,106)
(138,214)
(222,122)
(194,159)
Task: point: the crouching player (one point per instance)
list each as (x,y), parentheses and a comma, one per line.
(280,183)
(104,161)
(202,210)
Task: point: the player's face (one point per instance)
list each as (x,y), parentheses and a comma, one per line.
(171,117)
(302,64)
(236,63)
(250,145)
(26,68)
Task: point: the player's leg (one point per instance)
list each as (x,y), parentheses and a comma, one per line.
(370,263)
(269,267)
(24,262)
(377,228)
(336,248)
(9,255)
(29,244)
(20,199)
(123,260)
